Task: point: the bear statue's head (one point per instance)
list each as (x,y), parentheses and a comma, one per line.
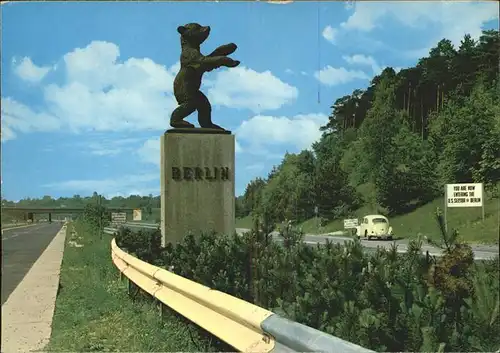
(194,33)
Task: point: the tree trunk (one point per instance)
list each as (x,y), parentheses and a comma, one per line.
(437,98)
(409,98)
(422,115)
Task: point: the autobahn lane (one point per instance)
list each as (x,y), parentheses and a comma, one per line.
(21,247)
(481,252)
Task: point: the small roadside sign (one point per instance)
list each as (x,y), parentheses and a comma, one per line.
(464,195)
(350,223)
(137,215)
(120,217)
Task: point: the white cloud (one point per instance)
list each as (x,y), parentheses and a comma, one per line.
(30,72)
(99,94)
(455,18)
(7,133)
(363,60)
(149,152)
(17,117)
(245,88)
(349,4)
(332,76)
(102,93)
(329,33)
(138,184)
(109,147)
(237,147)
(300,130)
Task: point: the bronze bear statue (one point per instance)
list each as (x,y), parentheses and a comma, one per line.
(194,64)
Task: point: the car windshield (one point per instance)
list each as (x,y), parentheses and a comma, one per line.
(379,220)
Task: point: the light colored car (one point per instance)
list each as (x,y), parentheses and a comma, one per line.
(375,226)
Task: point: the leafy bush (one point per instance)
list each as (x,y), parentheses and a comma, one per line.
(385,301)
(144,243)
(95,216)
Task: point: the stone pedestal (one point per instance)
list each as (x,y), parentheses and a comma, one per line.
(197,183)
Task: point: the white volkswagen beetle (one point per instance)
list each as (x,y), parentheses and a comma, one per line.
(375,226)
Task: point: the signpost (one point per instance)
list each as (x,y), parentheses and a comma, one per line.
(137,216)
(118,218)
(350,223)
(463,195)
(99,204)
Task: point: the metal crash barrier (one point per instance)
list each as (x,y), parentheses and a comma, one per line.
(244,326)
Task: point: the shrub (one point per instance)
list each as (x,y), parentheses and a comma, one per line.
(385,301)
(95,217)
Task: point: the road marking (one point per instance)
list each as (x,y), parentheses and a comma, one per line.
(27,231)
(7,238)
(24,226)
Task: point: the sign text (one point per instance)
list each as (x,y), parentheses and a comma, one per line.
(199,173)
(464,195)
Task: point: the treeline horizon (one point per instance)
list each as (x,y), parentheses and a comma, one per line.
(394,144)
(132,201)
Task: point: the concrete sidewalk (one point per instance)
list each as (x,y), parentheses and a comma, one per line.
(27,314)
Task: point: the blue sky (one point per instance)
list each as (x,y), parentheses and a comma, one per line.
(87,87)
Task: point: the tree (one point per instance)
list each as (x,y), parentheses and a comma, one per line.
(465,136)
(333,194)
(252,196)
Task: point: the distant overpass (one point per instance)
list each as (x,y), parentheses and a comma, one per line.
(60,210)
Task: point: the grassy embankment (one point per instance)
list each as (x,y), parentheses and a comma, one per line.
(94,313)
(468,221)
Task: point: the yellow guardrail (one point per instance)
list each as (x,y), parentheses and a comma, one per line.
(232,320)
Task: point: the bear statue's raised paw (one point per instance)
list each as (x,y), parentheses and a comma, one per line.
(234,63)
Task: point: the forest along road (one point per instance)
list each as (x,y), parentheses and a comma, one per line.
(21,247)
(481,252)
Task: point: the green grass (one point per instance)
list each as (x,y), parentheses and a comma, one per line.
(94,312)
(421,221)
(245,222)
(468,222)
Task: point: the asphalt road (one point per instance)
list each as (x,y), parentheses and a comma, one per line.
(481,252)
(21,248)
